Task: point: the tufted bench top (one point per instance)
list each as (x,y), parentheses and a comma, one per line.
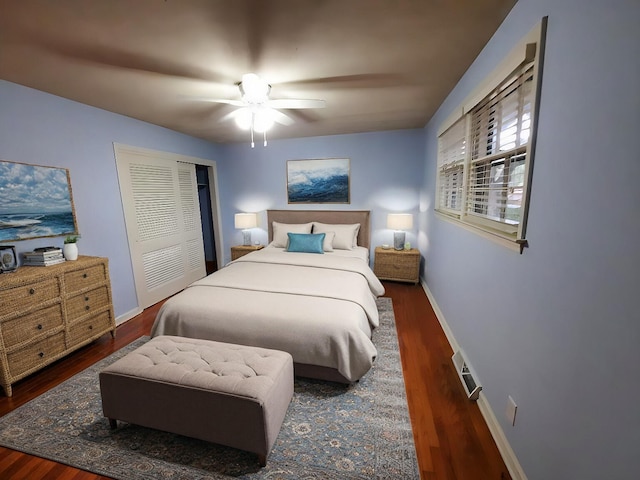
(204,364)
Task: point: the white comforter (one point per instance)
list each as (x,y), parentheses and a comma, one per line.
(319,308)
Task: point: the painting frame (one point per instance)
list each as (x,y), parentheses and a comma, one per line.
(319,181)
(36,202)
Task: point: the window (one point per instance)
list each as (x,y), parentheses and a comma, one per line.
(485,152)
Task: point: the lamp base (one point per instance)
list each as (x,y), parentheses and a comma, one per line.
(398,240)
(246,237)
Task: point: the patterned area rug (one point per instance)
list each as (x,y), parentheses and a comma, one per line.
(331,431)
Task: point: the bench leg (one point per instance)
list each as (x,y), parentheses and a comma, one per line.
(113,423)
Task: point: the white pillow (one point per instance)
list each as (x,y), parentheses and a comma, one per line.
(327,245)
(346,235)
(280,230)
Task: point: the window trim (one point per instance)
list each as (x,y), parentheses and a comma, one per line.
(529,49)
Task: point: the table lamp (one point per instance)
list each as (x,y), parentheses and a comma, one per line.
(245,221)
(399,222)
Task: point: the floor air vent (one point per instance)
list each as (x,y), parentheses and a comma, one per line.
(466,376)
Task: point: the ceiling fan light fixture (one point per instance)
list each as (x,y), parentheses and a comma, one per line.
(254,89)
(263,120)
(244,118)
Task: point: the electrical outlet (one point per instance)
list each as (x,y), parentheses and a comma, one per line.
(512,408)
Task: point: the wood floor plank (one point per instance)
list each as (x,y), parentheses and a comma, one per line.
(452,441)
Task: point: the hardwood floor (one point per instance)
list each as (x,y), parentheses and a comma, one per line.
(452,440)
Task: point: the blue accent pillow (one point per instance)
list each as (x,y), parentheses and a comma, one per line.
(305,242)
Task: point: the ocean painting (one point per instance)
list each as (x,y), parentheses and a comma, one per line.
(318,181)
(35,202)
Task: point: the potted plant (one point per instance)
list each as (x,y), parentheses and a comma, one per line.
(70,248)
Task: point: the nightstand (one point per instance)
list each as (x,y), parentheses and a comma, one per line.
(240,250)
(398,265)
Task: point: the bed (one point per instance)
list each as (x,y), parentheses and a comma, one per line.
(319,307)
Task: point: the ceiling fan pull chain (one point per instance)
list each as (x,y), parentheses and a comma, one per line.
(253,116)
(264,134)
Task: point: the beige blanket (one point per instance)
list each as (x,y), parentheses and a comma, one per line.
(319,308)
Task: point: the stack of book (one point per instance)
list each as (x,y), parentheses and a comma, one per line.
(43,257)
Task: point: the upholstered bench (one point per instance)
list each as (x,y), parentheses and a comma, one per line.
(228,394)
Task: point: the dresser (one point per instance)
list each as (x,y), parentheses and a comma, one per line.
(48,312)
(398,265)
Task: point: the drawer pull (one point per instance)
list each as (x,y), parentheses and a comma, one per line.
(86,299)
(84,275)
(90,327)
(87,307)
(41,354)
(32,291)
(39,327)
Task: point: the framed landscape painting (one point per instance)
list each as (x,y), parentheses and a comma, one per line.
(324,180)
(35,202)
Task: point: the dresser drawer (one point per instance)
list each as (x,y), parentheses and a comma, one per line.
(25,296)
(23,328)
(84,278)
(87,302)
(35,355)
(90,328)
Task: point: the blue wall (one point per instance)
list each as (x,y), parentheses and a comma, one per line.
(558,328)
(383,178)
(42,129)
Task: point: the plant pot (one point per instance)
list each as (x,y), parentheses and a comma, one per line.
(70,251)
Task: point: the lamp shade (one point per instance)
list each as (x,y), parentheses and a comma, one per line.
(400,221)
(246,220)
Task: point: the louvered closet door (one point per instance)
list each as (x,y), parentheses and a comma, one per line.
(162,213)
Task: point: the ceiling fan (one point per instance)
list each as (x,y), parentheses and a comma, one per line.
(256,111)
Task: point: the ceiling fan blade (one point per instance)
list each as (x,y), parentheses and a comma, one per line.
(296,103)
(282,118)
(112,57)
(235,103)
(363,80)
(230,116)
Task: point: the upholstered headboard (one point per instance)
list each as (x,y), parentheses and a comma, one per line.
(324,216)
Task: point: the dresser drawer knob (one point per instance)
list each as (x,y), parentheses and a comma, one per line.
(41,354)
(87,307)
(86,299)
(90,327)
(84,275)
(39,326)
(32,291)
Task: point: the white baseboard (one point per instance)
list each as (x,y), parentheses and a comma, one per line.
(507,453)
(128,315)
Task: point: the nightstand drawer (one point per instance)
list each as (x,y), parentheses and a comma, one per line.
(241,250)
(398,265)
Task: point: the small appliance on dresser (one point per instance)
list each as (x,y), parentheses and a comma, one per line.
(8,259)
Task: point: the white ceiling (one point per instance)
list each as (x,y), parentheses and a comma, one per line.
(378,64)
